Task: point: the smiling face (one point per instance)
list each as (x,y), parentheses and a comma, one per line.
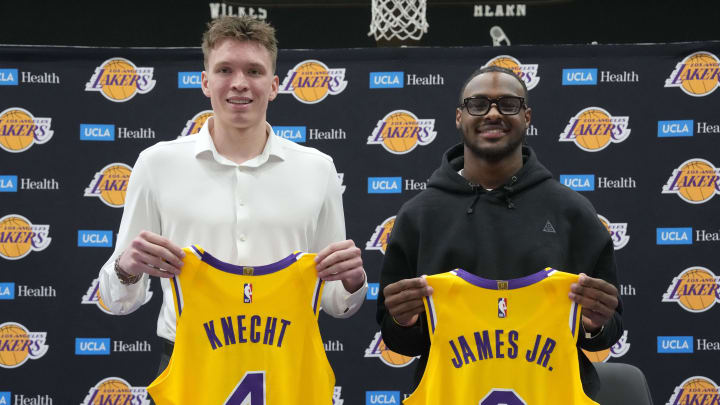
(493,136)
(240,82)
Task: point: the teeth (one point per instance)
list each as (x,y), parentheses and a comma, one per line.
(239,101)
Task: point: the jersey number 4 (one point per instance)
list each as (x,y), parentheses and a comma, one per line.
(502,397)
(249,391)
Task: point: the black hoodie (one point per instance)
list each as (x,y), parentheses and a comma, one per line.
(530,223)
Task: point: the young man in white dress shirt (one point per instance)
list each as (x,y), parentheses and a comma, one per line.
(246,195)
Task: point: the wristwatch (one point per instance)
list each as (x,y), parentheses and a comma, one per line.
(125,277)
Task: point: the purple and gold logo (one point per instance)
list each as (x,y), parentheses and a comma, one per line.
(19,237)
(110,184)
(19,130)
(696,181)
(92,296)
(697,75)
(378,349)
(195,123)
(18,345)
(118,80)
(593,129)
(617,350)
(695,289)
(115,390)
(695,390)
(526,72)
(400,131)
(379,239)
(618,232)
(311,81)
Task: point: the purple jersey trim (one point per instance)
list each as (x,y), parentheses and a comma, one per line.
(511,284)
(431,313)
(257,270)
(177,295)
(574,317)
(316,294)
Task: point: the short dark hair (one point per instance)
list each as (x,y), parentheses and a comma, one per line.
(243,28)
(493,68)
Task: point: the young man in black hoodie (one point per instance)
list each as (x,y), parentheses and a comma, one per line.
(492,209)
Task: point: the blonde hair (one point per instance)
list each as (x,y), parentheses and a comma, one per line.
(244,28)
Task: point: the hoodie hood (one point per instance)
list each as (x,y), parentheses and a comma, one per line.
(447,179)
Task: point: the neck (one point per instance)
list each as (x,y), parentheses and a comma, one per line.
(491,174)
(238,144)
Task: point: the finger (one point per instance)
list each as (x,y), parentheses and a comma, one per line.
(407,321)
(413,294)
(150,248)
(402,316)
(597,283)
(594,294)
(340,267)
(162,247)
(329,249)
(394,288)
(141,262)
(351,274)
(162,265)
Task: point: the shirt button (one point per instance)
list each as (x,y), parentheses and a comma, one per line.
(242,237)
(241,203)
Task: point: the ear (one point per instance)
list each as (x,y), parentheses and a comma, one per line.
(528,116)
(204,83)
(458,116)
(275,86)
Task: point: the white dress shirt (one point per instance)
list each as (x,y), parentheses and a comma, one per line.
(288,198)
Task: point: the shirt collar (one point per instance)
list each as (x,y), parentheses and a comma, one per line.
(204,146)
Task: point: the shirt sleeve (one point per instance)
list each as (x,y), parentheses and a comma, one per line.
(336,301)
(139,214)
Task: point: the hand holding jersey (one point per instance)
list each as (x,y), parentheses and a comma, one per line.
(152,254)
(341,261)
(598,299)
(404,300)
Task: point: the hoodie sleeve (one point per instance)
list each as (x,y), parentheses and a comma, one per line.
(399,264)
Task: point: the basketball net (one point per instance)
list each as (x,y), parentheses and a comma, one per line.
(398,19)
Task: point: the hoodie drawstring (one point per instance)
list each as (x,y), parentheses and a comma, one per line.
(472,205)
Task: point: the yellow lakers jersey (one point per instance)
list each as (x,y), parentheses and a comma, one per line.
(501,342)
(246,335)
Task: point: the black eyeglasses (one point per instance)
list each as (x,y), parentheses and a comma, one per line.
(480,105)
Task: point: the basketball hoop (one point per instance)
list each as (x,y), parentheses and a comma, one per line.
(398,19)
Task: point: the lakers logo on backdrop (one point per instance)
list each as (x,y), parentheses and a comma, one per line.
(617,350)
(697,75)
(110,184)
(195,123)
(378,349)
(696,289)
(18,345)
(19,237)
(19,130)
(695,390)
(115,390)
(695,181)
(593,129)
(118,80)
(400,132)
(92,296)
(379,239)
(618,232)
(527,72)
(310,81)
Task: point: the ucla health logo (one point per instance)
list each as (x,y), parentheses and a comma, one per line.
(579,77)
(673,236)
(8,77)
(92,296)
(19,130)
(526,72)
(593,129)
(89,238)
(695,289)
(189,80)
(7,291)
(618,232)
(115,390)
(675,344)
(8,184)
(110,184)
(372,292)
(195,123)
(92,346)
(696,181)
(400,131)
(378,349)
(20,345)
(387,80)
(379,239)
(695,390)
(118,80)
(295,134)
(382,398)
(579,182)
(384,185)
(697,75)
(310,81)
(97,132)
(19,237)
(619,349)
(674,129)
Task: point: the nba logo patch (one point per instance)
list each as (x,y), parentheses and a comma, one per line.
(247,289)
(502,307)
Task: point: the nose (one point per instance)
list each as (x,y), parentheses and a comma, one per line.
(493,112)
(239,81)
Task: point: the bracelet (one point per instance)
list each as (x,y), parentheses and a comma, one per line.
(589,335)
(398,323)
(125,277)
